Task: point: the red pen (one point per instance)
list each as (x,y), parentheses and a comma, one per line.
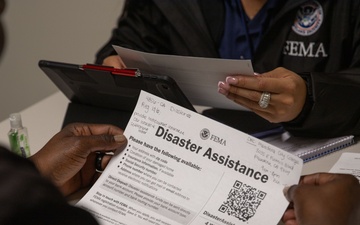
(131,72)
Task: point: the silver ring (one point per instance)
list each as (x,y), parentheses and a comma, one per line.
(264,100)
(98,161)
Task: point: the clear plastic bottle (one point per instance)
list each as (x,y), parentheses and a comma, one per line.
(18,136)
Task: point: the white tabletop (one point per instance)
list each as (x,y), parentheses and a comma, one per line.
(44,120)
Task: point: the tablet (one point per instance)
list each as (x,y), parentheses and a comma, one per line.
(100,94)
(108,87)
(106,95)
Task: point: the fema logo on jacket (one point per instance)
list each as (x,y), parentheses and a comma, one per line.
(308,19)
(304,41)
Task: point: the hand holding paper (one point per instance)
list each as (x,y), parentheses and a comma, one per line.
(182,168)
(197,77)
(324,198)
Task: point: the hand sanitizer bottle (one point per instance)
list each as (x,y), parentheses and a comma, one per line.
(18,136)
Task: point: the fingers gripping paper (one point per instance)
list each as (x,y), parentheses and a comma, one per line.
(180,167)
(196,76)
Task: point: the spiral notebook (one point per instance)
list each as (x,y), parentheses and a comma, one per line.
(309,148)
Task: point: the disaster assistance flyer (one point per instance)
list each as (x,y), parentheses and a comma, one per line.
(180,167)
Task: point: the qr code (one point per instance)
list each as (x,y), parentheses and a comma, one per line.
(242,201)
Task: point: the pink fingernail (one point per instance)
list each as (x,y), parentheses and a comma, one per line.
(231,80)
(223,91)
(223,85)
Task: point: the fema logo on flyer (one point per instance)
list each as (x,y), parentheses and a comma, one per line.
(308,19)
(204,134)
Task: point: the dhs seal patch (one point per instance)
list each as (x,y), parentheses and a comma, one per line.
(308,19)
(204,134)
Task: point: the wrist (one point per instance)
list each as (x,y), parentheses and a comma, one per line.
(309,101)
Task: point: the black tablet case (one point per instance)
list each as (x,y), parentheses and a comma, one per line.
(98,96)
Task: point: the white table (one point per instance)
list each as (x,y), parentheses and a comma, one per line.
(44,119)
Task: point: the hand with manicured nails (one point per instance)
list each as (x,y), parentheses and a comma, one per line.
(324,199)
(287,90)
(68,159)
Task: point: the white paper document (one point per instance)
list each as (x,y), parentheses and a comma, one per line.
(197,77)
(348,163)
(180,167)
